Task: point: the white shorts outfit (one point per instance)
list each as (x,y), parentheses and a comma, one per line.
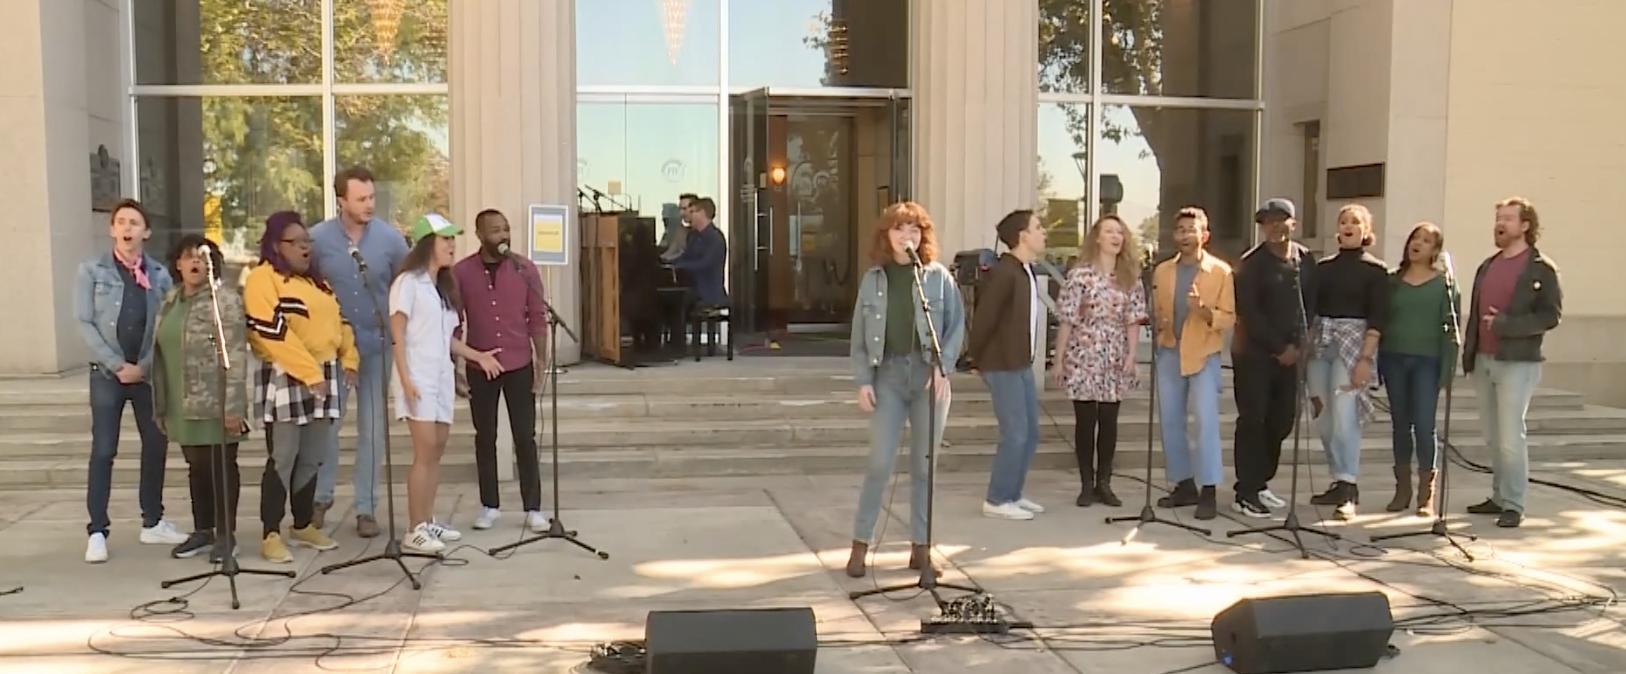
(429,328)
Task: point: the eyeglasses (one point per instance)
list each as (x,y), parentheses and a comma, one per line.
(299,241)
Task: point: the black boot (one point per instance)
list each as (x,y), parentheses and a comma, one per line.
(1207,507)
(1332,496)
(1103,493)
(1184,494)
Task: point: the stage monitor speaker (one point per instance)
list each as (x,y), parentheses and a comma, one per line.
(731,641)
(1303,633)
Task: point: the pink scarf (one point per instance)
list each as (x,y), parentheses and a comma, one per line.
(136,269)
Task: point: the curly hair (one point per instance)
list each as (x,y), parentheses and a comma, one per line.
(898,215)
(1128,263)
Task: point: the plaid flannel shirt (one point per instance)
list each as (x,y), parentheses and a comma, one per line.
(279,398)
(1344,338)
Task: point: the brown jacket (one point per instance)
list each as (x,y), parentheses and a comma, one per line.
(1001,336)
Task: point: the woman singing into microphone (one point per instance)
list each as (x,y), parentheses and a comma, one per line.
(1417,355)
(892,366)
(187,397)
(425,311)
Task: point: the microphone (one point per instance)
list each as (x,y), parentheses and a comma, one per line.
(361,264)
(909,247)
(1450,269)
(504,251)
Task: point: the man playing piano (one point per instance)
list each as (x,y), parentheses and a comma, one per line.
(705,256)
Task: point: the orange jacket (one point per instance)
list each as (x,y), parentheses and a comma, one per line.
(1199,338)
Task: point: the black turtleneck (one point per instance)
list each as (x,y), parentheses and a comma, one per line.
(1353,284)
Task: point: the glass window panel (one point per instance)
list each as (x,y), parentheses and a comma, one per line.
(221,165)
(1179,47)
(643,155)
(403,141)
(1164,159)
(647,42)
(228,41)
(1062,189)
(818,43)
(390,40)
(1064,45)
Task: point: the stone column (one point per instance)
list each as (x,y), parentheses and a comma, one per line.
(513,135)
(973,66)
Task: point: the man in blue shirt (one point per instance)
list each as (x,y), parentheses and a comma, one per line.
(705,255)
(364,305)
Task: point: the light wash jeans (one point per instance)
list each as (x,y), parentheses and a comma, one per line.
(372,423)
(1504,391)
(1203,390)
(1016,408)
(1339,423)
(900,395)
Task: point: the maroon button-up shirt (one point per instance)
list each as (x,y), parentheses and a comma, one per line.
(504,307)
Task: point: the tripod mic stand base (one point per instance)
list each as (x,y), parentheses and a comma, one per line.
(393,552)
(1439,529)
(556,530)
(1148,516)
(229,569)
(1292,526)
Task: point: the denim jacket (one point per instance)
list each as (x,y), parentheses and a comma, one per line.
(869,320)
(200,374)
(98,292)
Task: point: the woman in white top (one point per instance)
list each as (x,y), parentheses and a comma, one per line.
(424,314)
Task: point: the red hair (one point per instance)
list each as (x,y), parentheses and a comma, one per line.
(898,215)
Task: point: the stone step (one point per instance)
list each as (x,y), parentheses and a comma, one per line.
(637,463)
(851,429)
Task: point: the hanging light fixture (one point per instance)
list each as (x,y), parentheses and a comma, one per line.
(674,17)
(386,16)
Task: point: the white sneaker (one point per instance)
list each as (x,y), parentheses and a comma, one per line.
(96,549)
(444,532)
(421,539)
(1029,506)
(487,519)
(162,533)
(1005,511)
(537,521)
(1271,500)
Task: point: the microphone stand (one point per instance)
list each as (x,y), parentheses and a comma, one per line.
(1147,515)
(556,525)
(1301,391)
(392,548)
(225,546)
(928,576)
(1443,462)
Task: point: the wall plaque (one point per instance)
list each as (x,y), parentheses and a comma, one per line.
(1355,182)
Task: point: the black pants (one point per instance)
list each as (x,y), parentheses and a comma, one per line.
(200,475)
(514,387)
(1266,403)
(1095,440)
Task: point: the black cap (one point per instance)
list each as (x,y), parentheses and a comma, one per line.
(1277,207)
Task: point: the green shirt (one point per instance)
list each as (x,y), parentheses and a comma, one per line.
(900,309)
(1417,318)
(171,339)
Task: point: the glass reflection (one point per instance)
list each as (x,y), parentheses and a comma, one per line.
(403,141)
(1151,47)
(647,42)
(221,165)
(227,41)
(1061,182)
(819,43)
(1064,46)
(1164,159)
(643,155)
(390,40)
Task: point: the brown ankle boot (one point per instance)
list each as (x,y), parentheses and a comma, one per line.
(1425,493)
(920,555)
(855,561)
(1402,498)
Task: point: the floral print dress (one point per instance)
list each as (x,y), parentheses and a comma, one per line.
(1101,314)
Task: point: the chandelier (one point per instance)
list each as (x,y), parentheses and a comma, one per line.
(386,16)
(674,14)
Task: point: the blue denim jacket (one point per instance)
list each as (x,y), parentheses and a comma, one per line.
(869,320)
(98,292)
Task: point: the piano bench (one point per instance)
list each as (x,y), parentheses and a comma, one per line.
(708,320)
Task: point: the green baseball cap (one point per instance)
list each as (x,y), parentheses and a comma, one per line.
(434,224)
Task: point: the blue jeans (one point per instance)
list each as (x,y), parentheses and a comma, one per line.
(107,399)
(1504,398)
(1339,423)
(1016,408)
(900,395)
(1413,383)
(371,425)
(1203,390)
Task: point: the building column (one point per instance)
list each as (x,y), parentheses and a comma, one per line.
(513,126)
(974,71)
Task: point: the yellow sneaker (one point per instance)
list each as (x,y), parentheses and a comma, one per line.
(273,550)
(311,537)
